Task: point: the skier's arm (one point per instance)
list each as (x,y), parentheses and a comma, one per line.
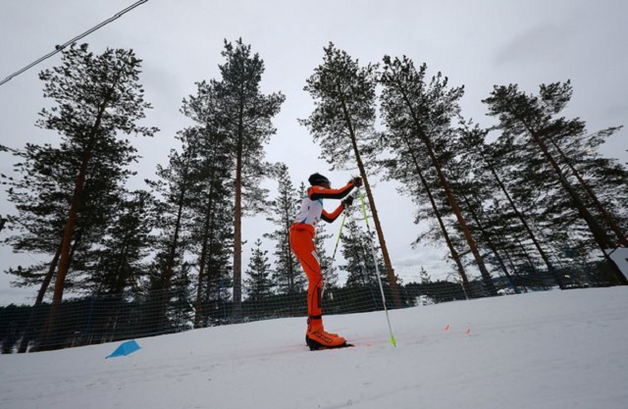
(330,217)
(319,192)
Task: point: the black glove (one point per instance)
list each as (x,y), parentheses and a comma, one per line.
(348,201)
(357,181)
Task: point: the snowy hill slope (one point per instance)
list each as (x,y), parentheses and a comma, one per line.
(556,349)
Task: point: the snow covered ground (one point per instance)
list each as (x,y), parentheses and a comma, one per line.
(555,349)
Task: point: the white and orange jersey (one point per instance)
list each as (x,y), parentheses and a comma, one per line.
(312,210)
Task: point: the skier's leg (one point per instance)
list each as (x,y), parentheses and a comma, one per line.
(301,242)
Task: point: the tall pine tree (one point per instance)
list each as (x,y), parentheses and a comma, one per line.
(211,203)
(343,122)
(415,110)
(173,225)
(244,115)
(96,98)
(535,120)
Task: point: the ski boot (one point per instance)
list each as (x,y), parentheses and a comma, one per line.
(307,340)
(316,338)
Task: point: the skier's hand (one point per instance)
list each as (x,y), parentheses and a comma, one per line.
(347,202)
(357,181)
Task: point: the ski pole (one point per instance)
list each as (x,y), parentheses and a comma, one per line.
(393,342)
(333,256)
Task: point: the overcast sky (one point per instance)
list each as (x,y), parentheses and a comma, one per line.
(477,44)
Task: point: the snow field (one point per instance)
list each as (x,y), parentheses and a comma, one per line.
(554,349)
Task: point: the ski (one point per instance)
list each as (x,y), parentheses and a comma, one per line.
(315,346)
(323,348)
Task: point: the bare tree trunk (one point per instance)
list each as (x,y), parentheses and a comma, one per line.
(66,245)
(237,228)
(29,333)
(513,267)
(208,310)
(527,257)
(203,261)
(48,278)
(390,273)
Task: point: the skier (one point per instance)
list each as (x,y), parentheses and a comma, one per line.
(302,234)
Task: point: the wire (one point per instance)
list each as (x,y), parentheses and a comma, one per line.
(61,47)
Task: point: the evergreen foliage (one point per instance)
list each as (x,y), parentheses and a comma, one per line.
(119,261)
(244,115)
(533,122)
(258,285)
(419,117)
(287,275)
(343,122)
(96,97)
(211,203)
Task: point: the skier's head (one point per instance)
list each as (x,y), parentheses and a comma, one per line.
(317,179)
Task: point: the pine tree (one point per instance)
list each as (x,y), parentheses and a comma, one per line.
(259,285)
(522,209)
(211,207)
(425,277)
(119,261)
(281,212)
(216,292)
(173,225)
(360,267)
(414,110)
(411,173)
(40,195)
(245,117)
(96,98)
(357,254)
(488,161)
(343,122)
(534,121)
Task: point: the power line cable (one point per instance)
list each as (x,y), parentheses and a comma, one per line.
(61,47)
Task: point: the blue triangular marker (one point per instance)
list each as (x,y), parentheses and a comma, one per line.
(125,349)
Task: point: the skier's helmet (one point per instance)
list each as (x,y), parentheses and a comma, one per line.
(317,179)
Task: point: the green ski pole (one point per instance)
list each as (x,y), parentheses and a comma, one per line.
(393,342)
(333,256)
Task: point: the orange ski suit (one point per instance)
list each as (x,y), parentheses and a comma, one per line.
(302,234)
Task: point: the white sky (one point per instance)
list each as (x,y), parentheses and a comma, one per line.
(476,44)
